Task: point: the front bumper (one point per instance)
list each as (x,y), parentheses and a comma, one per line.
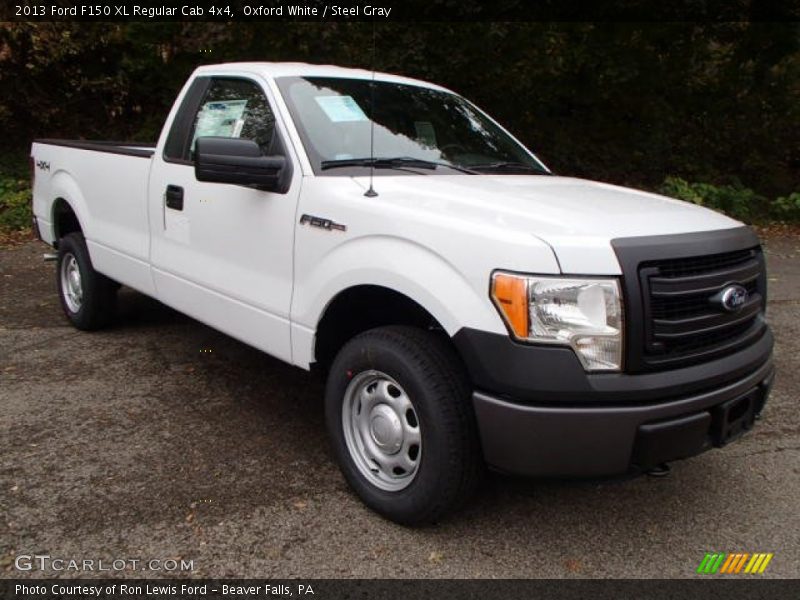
(604,425)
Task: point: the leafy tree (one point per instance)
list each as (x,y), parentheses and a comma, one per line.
(629,103)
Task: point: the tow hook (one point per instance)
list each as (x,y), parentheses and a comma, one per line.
(661,470)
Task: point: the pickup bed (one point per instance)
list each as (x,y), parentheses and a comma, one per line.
(468,306)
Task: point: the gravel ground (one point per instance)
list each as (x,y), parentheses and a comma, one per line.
(160,438)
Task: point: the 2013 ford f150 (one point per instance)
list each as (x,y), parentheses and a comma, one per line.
(468,306)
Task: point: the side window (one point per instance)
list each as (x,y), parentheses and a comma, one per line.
(235,108)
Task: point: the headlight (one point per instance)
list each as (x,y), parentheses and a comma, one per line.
(583,313)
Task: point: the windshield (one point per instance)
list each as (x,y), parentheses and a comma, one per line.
(417,129)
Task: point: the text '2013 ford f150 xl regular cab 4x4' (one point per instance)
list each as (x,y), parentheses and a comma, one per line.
(468,306)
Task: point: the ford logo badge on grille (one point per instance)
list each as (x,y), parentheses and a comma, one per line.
(733,297)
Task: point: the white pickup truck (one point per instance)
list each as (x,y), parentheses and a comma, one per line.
(469,307)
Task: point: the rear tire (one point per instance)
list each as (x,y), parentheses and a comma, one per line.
(88,298)
(399,415)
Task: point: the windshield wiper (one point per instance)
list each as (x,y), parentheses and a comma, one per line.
(400,162)
(508,166)
(378,163)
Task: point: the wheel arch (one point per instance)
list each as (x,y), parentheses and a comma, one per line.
(64,218)
(362,307)
(68,210)
(415,276)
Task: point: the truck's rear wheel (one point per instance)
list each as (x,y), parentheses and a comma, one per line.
(400,419)
(88,298)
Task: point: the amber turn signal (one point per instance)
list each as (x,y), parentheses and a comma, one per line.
(510,294)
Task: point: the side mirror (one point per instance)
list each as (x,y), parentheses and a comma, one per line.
(237,161)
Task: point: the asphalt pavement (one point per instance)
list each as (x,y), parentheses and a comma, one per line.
(162,439)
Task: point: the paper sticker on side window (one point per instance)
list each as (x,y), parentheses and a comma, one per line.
(220,119)
(341,108)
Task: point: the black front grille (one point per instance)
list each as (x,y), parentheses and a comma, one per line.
(690,305)
(685,267)
(684,320)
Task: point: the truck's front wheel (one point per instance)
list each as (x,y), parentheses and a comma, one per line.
(399,414)
(88,298)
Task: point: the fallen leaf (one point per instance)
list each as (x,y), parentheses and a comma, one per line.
(572,565)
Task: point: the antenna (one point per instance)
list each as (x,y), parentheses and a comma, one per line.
(371,193)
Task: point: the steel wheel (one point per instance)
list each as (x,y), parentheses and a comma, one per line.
(390,391)
(71,283)
(381,430)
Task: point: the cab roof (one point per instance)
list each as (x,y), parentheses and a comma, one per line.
(296,69)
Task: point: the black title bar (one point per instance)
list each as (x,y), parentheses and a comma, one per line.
(403,10)
(745,588)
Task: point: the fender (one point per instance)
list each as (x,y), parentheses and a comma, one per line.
(63,186)
(133,272)
(397,264)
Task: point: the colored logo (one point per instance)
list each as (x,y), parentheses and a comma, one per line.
(733,297)
(734,563)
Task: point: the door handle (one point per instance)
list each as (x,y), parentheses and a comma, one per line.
(174,197)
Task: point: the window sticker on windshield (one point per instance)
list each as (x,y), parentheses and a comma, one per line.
(340,109)
(425,133)
(220,119)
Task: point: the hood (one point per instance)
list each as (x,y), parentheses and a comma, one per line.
(575,217)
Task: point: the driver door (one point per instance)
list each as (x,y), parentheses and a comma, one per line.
(223,253)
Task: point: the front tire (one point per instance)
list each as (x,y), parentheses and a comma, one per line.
(88,298)
(399,415)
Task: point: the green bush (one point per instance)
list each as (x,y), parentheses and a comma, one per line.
(15,204)
(736,201)
(786,208)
